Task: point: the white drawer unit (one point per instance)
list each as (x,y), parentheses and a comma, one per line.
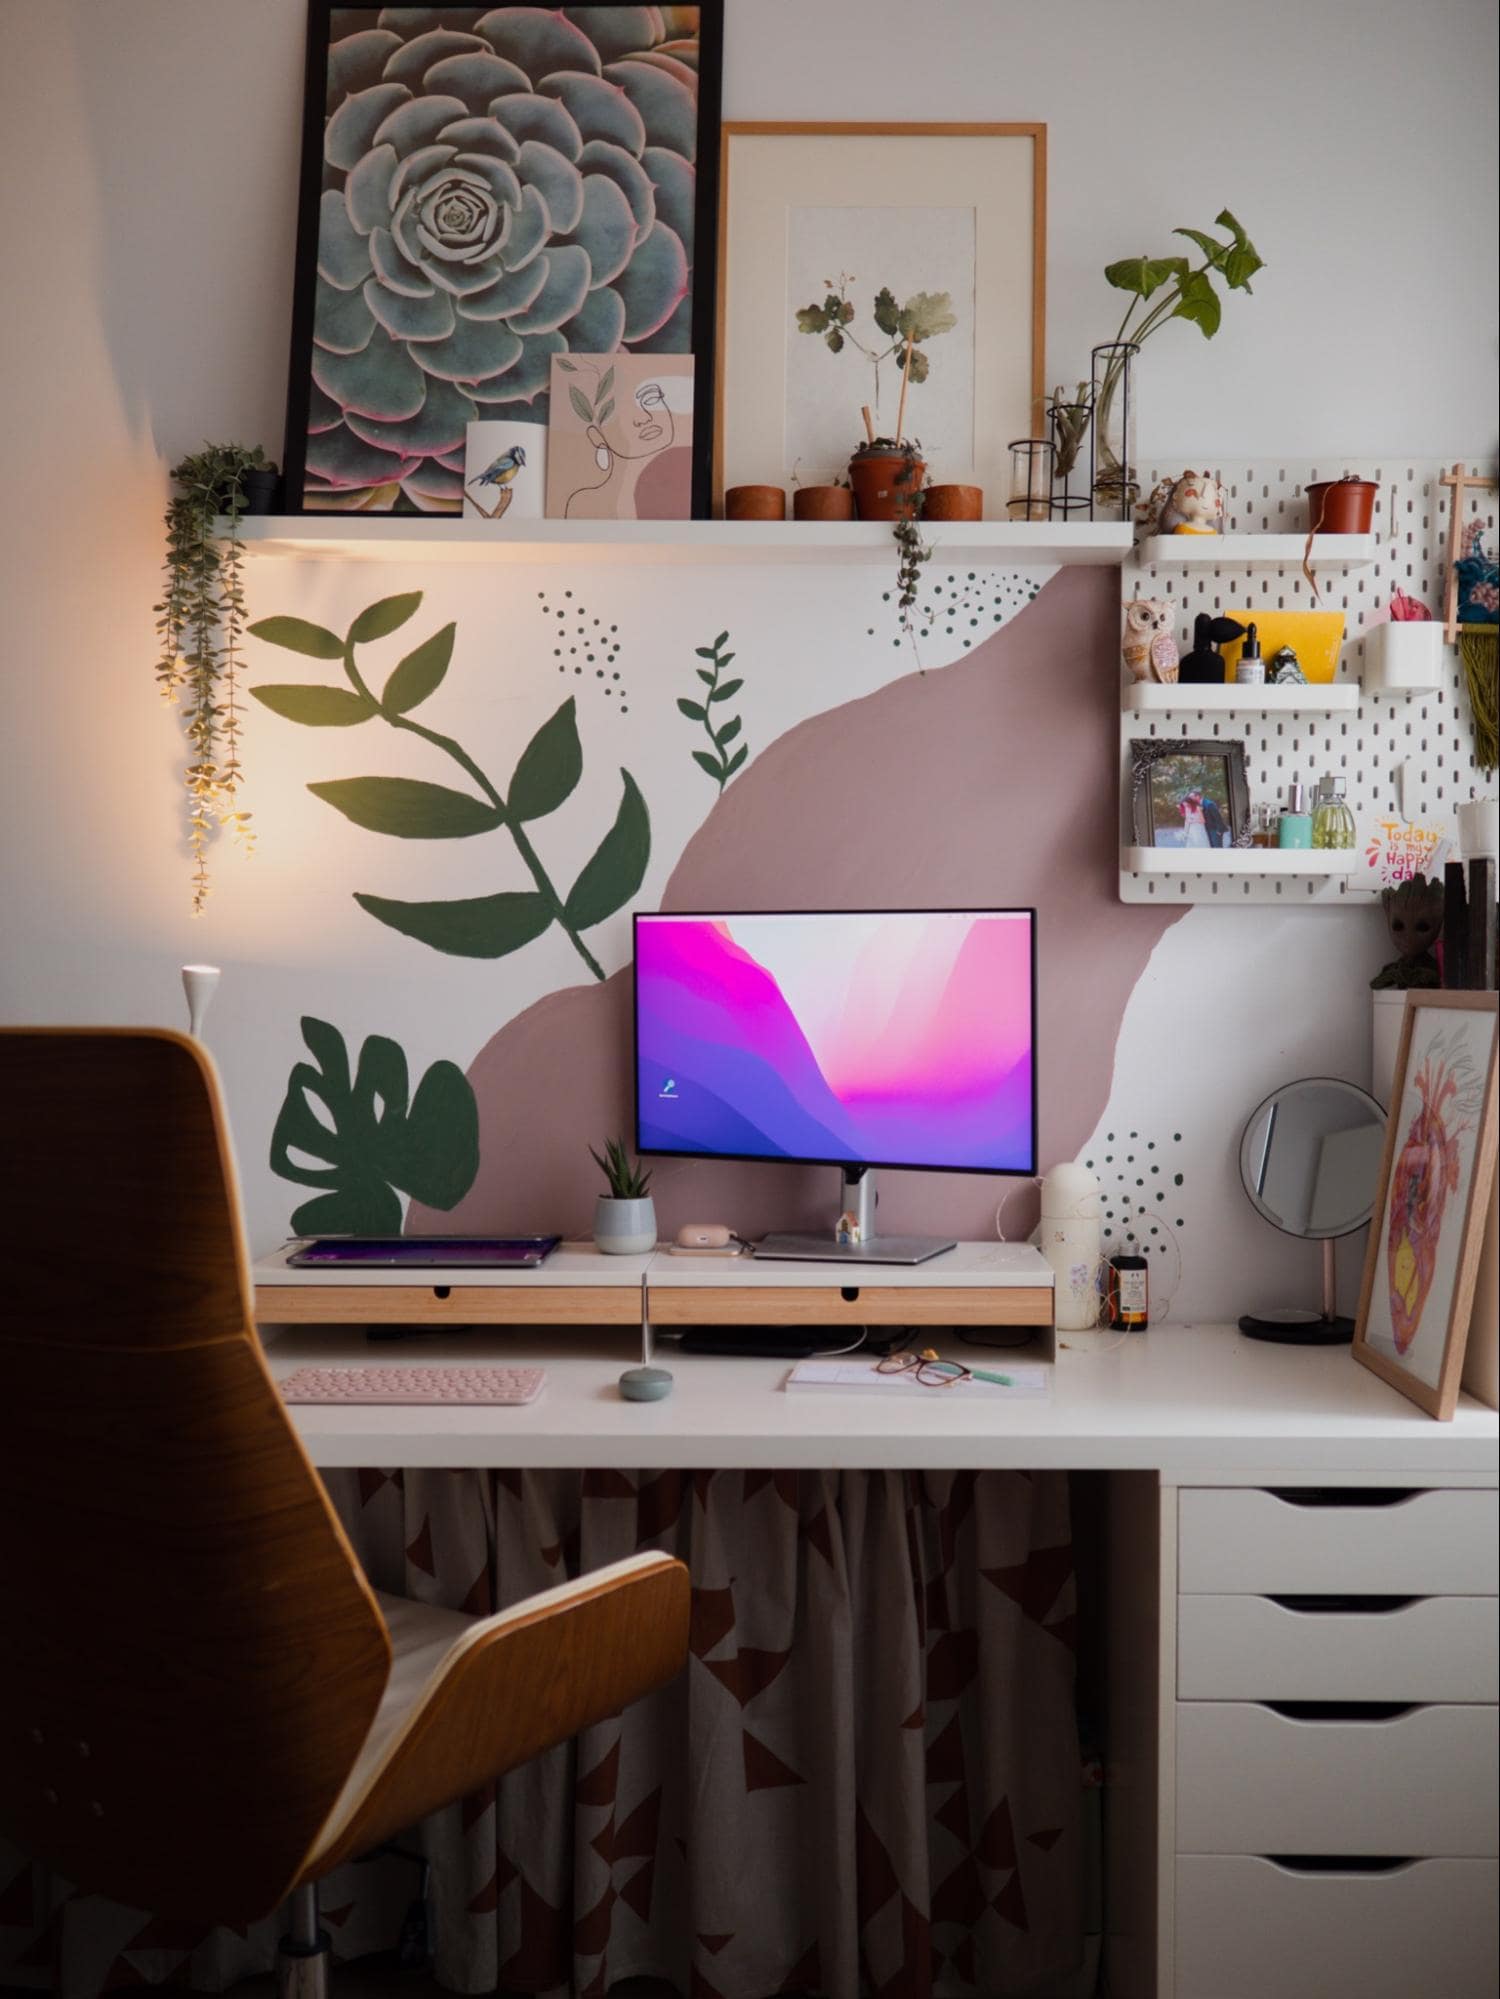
(1248,1928)
(1243,1542)
(1330,1648)
(1253,1780)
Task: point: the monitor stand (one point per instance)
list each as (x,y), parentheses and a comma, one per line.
(854,1240)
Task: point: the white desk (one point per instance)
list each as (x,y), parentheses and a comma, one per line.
(1201,1433)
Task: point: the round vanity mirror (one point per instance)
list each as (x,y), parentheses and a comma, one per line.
(1310,1162)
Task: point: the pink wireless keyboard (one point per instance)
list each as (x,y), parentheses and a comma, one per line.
(489,1385)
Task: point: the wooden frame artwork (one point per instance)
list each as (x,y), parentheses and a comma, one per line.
(1436,1177)
(484,188)
(835,242)
(1195,792)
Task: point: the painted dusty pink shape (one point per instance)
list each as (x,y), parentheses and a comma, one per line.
(989,783)
(664,491)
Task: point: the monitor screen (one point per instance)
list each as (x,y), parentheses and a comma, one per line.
(869,1037)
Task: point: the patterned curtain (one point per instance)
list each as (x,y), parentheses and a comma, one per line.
(867,1781)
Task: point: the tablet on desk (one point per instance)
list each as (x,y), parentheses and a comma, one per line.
(423,1252)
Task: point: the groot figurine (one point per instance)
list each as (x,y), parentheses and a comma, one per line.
(1414,914)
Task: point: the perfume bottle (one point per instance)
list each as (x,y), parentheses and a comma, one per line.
(1333,822)
(1295,826)
(1263,825)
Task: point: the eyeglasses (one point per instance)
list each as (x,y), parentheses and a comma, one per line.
(926,1366)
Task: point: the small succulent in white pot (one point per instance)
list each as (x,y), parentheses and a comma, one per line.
(625,1217)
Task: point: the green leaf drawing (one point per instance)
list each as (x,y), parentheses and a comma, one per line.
(726,691)
(317,707)
(583,409)
(712,765)
(379,620)
(728,733)
(419,674)
(925,315)
(376,1141)
(811,319)
(606,382)
(833,340)
(921,367)
(694,710)
(604,414)
(568,367)
(704,674)
(887,312)
(736,760)
(715,760)
(297,635)
(550,767)
(483,926)
(618,865)
(408,808)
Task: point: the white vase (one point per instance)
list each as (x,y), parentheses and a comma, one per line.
(624,1228)
(1068,1235)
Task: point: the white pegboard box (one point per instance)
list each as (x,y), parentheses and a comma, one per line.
(1400,754)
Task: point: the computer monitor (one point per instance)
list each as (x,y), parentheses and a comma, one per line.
(854,1038)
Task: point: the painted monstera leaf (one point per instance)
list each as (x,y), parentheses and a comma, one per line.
(376,1140)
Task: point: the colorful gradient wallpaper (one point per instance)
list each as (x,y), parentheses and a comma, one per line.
(883,1038)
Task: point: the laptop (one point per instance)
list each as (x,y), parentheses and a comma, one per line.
(423,1252)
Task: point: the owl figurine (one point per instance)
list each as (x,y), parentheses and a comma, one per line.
(1150,646)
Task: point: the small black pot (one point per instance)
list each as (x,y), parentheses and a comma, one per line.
(262,491)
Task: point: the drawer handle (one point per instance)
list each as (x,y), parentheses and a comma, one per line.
(1337,1863)
(1342,1495)
(442,1290)
(849,1293)
(1340,1710)
(1346,1606)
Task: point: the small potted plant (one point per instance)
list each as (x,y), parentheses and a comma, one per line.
(625,1217)
(831,501)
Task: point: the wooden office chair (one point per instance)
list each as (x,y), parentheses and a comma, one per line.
(203,1705)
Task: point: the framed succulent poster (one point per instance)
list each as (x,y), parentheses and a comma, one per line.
(836,243)
(484,188)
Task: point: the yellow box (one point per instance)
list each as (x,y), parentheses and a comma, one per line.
(1316,637)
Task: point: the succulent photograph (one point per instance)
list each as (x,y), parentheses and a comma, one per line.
(498,186)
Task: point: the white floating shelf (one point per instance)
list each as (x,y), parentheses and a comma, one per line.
(1331,697)
(449,538)
(1257,551)
(1239,860)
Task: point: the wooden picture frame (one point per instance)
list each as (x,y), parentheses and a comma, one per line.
(1152,778)
(444,257)
(769,335)
(1436,1178)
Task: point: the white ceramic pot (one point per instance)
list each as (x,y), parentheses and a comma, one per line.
(1479,828)
(1404,657)
(624,1228)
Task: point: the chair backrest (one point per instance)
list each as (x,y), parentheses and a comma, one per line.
(191,1656)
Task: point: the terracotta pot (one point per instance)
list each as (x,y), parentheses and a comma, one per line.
(1341,506)
(954,503)
(877,493)
(822,503)
(755,503)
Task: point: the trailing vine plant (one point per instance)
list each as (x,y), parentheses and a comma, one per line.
(200,623)
(547,773)
(717,761)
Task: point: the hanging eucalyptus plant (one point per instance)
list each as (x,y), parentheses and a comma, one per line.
(200,623)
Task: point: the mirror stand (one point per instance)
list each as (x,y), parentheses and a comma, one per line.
(1298,1327)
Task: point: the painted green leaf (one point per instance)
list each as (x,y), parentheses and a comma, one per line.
(1200,304)
(371,1139)
(721,641)
(811,319)
(408,808)
(728,733)
(484,926)
(737,759)
(729,688)
(724,659)
(568,367)
(692,710)
(618,866)
(925,315)
(712,765)
(419,674)
(297,635)
(317,707)
(550,767)
(920,366)
(833,340)
(704,675)
(583,409)
(606,381)
(379,620)
(603,415)
(887,312)
(706,652)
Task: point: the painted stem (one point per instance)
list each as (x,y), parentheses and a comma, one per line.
(471,769)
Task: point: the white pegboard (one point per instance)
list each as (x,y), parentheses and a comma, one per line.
(1403,756)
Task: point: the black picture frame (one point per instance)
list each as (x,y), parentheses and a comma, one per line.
(1160,767)
(311,490)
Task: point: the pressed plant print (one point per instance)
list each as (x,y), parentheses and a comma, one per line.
(499,185)
(922,317)
(718,760)
(378,1141)
(546,774)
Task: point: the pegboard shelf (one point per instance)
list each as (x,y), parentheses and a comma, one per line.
(1239,861)
(1257,551)
(450,538)
(1331,697)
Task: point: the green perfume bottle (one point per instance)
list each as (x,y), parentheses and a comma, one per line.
(1333,822)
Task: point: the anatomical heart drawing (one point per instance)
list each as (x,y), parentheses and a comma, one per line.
(1424,1174)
